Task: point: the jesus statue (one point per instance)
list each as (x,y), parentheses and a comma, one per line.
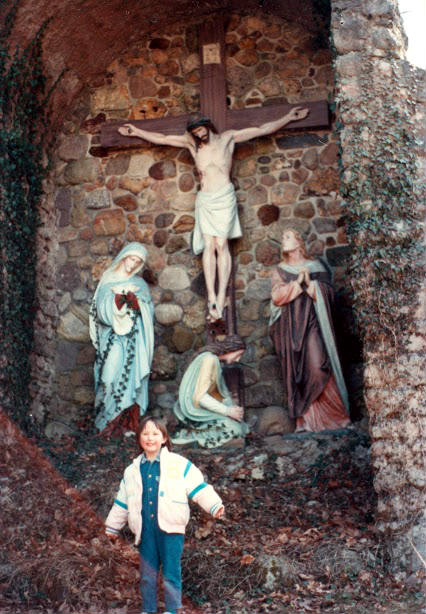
(216,214)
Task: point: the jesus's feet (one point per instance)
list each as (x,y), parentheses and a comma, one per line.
(212,311)
(222,302)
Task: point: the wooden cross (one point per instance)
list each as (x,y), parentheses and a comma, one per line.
(213,101)
(213,105)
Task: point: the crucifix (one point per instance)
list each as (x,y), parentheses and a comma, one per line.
(211,139)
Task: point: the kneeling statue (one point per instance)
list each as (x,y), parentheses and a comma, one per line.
(209,415)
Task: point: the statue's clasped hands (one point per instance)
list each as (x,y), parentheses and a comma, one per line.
(129,299)
(304,277)
(236,412)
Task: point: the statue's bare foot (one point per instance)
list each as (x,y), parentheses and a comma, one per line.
(221,304)
(213,313)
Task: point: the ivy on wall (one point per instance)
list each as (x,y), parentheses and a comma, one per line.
(382,198)
(322,16)
(23,124)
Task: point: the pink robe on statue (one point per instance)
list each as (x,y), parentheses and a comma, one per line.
(314,399)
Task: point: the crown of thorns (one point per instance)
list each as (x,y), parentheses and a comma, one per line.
(196,123)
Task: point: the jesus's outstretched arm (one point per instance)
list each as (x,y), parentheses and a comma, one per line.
(174,140)
(245,134)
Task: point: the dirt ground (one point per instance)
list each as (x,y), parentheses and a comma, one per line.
(298,535)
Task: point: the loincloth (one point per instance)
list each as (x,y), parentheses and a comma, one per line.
(216,215)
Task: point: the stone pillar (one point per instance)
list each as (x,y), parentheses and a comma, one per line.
(43,355)
(376,89)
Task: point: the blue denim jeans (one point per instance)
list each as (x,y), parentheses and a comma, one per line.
(165,549)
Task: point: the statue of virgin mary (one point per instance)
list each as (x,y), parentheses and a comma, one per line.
(121,329)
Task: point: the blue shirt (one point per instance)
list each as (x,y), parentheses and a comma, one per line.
(150,473)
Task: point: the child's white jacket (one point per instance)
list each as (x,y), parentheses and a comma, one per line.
(180,480)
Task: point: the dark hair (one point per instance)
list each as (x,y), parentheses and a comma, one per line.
(196,122)
(160,426)
(232,343)
(193,125)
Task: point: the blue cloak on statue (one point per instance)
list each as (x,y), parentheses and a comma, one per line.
(123,339)
(207,428)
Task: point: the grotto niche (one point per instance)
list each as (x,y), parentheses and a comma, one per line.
(351,185)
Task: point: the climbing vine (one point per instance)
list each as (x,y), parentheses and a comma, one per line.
(322,16)
(23,124)
(382,197)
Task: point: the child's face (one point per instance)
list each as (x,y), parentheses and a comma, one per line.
(151,440)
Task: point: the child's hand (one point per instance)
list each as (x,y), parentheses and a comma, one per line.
(219,513)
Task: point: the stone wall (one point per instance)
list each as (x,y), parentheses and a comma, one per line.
(43,386)
(103,201)
(394,384)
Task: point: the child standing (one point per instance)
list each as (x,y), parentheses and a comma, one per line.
(153,500)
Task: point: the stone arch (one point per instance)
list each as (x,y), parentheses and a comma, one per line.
(107,33)
(106,198)
(83,41)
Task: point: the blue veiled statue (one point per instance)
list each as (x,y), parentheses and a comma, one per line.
(205,408)
(121,329)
